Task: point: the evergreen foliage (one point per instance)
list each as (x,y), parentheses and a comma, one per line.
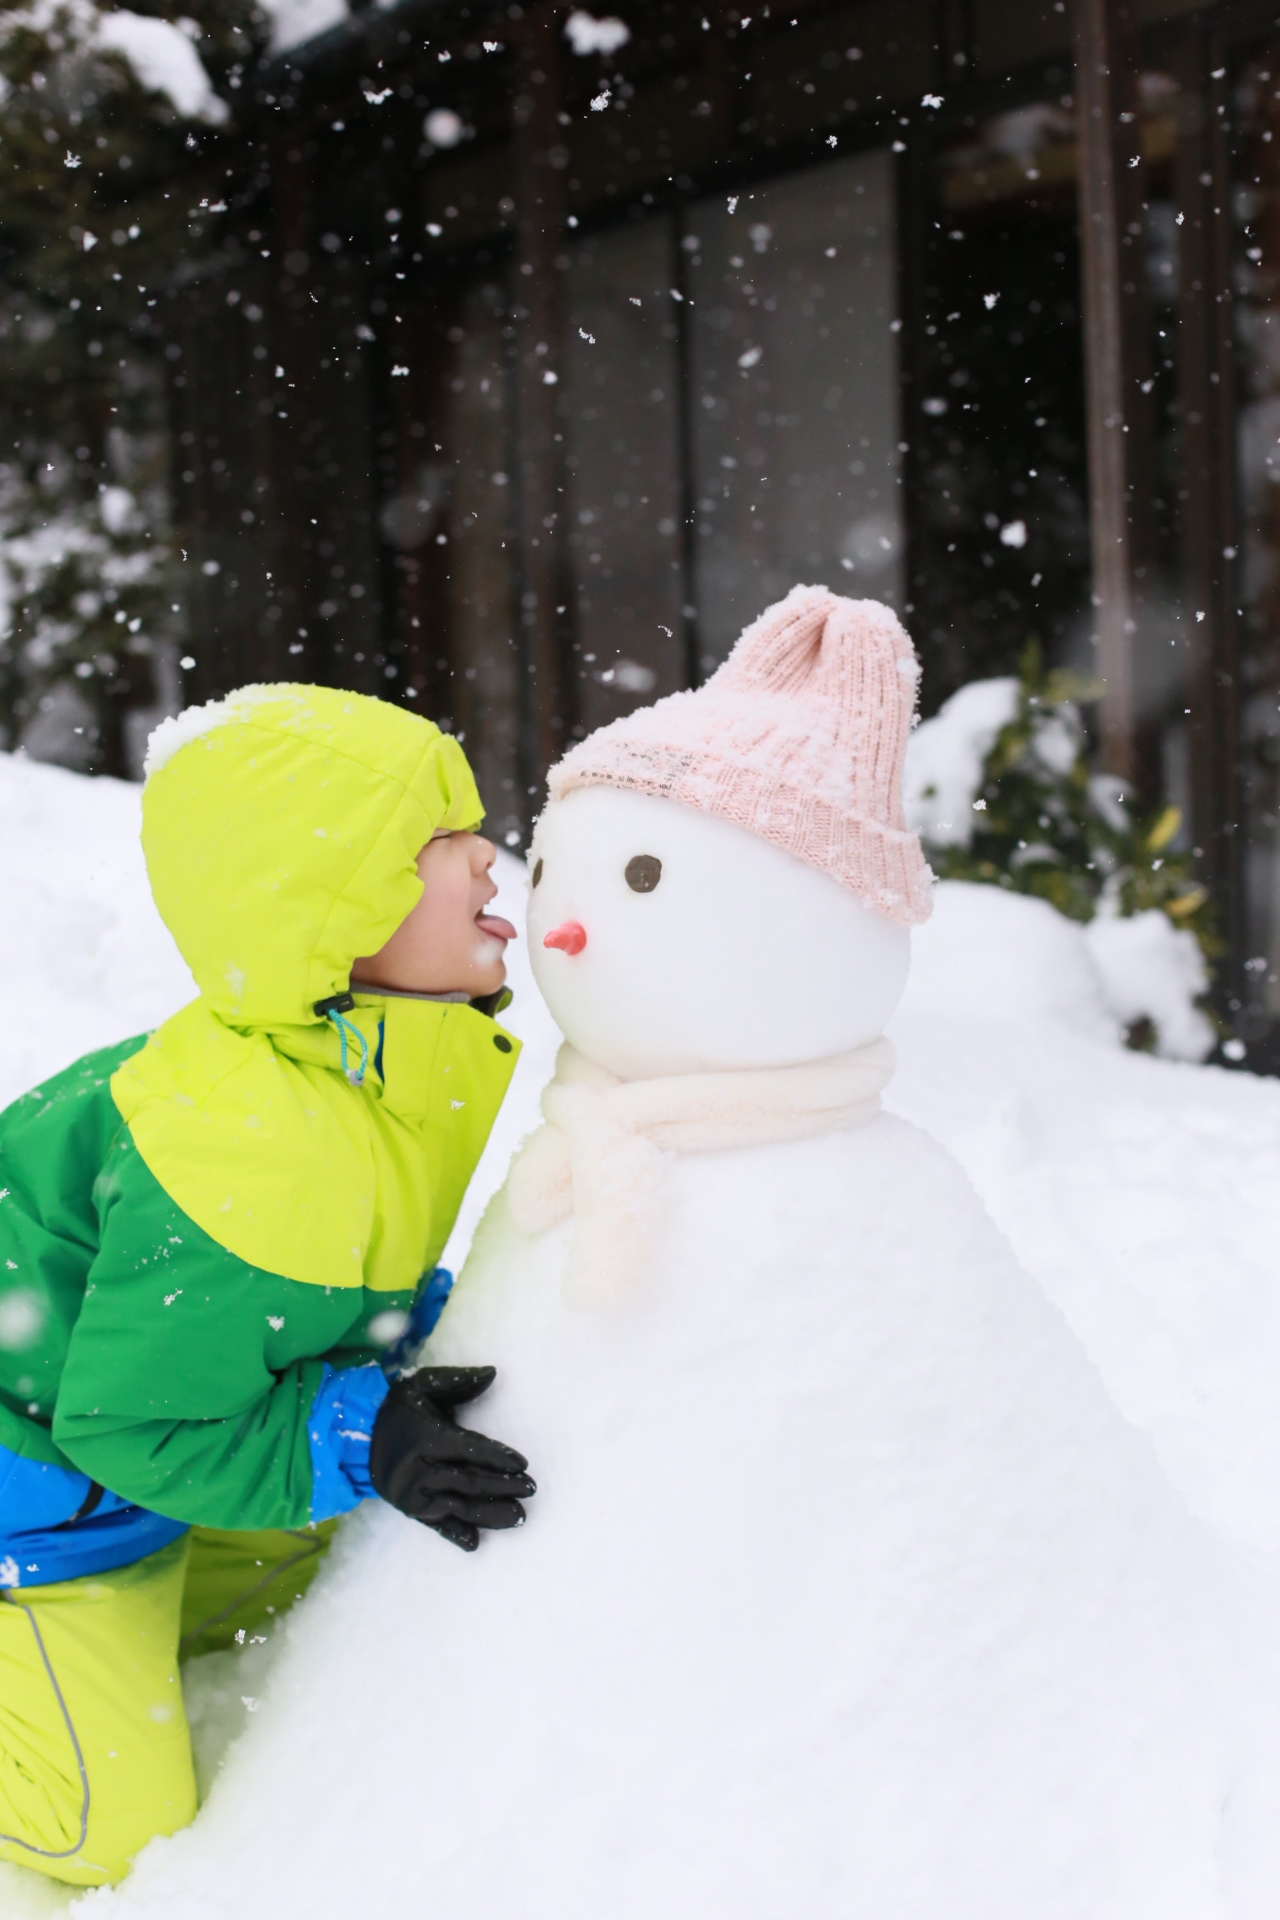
(106,186)
(1045,824)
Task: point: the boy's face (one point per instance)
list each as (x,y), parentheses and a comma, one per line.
(448,944)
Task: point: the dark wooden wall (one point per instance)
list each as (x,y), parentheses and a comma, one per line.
(388,434)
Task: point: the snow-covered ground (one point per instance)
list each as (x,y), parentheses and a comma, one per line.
(1143,1195)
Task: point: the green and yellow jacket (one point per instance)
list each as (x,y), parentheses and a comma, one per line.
(196,1225)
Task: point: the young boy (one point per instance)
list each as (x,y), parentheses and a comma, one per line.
(207,1239)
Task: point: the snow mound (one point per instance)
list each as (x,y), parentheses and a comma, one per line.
(988,952)
(1152,970)
(1143,1194)
(85,957)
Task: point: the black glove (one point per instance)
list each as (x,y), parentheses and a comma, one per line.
(448,1477)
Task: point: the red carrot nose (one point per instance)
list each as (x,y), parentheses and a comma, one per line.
(570,935)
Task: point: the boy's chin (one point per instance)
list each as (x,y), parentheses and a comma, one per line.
(488,977)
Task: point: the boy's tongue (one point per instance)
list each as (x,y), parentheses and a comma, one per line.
(494,924)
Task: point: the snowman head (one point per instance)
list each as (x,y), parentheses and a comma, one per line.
(666,940)
(725,879)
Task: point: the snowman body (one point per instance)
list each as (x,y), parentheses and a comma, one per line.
(846,1590)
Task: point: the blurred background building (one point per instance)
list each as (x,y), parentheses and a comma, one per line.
(505,359)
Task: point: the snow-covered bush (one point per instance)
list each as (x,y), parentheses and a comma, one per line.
(84,587)
(112,171)
(999,786)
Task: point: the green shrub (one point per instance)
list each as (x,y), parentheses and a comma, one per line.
(1045,824)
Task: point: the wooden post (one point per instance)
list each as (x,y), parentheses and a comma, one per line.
(1112,242)
(539,192)
(1207,405)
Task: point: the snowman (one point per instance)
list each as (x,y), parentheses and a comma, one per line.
(846,1591)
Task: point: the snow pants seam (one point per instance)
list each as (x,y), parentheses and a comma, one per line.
(309,1550)
(14,1840)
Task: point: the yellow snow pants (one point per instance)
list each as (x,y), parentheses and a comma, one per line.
(95,1758)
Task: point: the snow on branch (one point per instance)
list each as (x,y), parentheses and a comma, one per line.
(165,60)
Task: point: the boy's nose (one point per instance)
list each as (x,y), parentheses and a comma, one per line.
(570,936)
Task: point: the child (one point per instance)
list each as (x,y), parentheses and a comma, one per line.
(207,1239)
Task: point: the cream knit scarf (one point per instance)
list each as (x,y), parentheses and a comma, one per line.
(600,1155)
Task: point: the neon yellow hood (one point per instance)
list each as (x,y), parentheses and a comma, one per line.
(281,830)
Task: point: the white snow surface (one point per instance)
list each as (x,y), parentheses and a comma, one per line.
(1151,969)
(1143,1194)
(84,956)
(1143,1198)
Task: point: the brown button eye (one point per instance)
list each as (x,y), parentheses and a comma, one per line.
(644,872)
(537,872)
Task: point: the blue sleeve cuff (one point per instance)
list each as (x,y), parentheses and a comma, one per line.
(339,1429)
(419,1322)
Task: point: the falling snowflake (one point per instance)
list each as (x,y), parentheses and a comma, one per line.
(586,34)
(443,127)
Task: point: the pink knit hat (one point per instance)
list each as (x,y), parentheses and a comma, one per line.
(798,737)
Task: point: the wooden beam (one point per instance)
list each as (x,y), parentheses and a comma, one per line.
(1207,408)
(1112,243)
(539,156)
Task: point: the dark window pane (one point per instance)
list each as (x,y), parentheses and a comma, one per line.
(445,521)
(1256,307)
(794,393)
(1000,550)
(622,414)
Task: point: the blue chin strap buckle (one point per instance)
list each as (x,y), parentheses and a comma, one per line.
(333,1009)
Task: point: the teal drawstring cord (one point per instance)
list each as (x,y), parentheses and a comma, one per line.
(356,1075)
